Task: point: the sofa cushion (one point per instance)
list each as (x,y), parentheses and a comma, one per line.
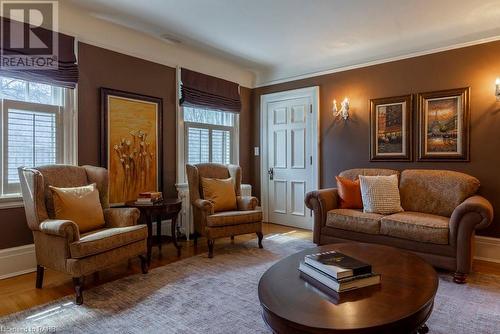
(228,218)
(436,192)
(353,174)
(416,226)
(103,240)
(354,220)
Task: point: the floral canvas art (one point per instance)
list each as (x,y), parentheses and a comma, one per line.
(131,135)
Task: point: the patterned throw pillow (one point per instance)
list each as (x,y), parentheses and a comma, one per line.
(380,194)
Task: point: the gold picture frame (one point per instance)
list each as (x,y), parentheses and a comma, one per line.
(444,125)
(391,128)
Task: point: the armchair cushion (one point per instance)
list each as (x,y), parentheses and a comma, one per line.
(220,192)
(107,239)
(416,226)
(121,217)
(227,218)
(79,204)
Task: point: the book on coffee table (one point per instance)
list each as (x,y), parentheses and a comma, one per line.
(339,285)
(337,265)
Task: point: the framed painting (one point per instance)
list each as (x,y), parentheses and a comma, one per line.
(390,128)
(444,125)
(131,143)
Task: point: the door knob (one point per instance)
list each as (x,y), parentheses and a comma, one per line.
(271,173)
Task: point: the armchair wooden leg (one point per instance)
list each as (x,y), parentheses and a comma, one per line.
(261,236)
(232,238)
(144,264)
(459,278)
(210,248)
(195,239)
(39,276)
(78,284)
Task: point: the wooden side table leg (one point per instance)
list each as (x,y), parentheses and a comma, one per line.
(173,229)
(150,237)
(158,233)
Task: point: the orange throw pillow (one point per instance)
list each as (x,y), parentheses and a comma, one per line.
(349,193)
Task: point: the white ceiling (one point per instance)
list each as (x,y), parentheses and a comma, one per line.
(279,39)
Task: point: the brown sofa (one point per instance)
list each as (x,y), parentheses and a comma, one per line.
(442,212)
(59,245)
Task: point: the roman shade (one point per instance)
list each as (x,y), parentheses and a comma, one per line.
(66,72)
(199,90)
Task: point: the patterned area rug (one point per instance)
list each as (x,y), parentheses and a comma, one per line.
(219,295)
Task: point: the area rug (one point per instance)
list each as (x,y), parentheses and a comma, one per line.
(219,295)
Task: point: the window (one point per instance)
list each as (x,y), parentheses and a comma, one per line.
(210,136)
(37,126)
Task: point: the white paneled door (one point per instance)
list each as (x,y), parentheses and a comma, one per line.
(290,160)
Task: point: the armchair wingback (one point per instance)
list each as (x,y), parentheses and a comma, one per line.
(59,245)
(212,225)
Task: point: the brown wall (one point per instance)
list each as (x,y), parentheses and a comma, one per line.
(346,145)
(104,68)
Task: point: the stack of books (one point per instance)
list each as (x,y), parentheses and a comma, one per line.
(337,271)
(149,197)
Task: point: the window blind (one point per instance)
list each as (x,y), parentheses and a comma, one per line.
(31,140)
(221,146)
(198,145)
(199,90)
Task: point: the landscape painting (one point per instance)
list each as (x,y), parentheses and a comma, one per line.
(391,128)
(444,125)
(132,144)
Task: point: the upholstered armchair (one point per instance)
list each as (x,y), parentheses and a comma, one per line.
(213,225)
(59,245)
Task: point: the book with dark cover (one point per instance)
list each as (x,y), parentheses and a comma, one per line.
(340,285)
(337,265)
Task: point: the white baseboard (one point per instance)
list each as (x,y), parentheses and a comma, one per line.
(21,260)
(487,249)
(17,261)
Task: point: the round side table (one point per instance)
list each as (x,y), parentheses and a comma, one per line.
(168,208)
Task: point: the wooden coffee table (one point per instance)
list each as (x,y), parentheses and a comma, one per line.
(400,304)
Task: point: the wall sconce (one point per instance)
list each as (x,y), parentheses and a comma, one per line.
(497,92)
(344,109)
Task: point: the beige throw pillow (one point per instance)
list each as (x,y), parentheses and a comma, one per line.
(380,194)
(220,192)
(80,205)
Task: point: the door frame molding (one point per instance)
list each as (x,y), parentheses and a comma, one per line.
(313,93)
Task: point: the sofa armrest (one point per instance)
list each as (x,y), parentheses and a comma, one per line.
(321,201)
(204,205)
(121,217)
(62,228)
(474,213)
(247,203)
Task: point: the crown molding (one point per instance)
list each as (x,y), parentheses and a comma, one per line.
(377,62)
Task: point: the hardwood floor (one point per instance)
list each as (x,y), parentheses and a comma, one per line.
(19,293)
